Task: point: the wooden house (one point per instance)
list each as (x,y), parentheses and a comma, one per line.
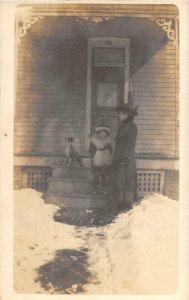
(75,63)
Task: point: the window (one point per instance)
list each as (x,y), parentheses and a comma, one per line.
(108,55)
(107,94)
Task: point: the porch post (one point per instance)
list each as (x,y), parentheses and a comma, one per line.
(88,100)
(127,71)
(176,154)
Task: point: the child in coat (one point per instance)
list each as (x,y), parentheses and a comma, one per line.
(101,152)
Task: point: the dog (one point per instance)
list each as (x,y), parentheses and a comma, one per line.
(71,156)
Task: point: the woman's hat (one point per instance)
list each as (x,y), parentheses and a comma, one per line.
(128,107)
(102,127)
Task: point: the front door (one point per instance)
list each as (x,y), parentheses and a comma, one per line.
(107,94)
(107,82)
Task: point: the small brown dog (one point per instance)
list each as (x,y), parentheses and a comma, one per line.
(71,156)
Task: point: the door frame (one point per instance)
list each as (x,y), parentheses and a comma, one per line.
(109,42)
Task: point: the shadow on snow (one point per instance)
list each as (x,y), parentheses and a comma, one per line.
(66,274)
(87,218)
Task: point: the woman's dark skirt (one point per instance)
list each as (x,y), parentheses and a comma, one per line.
(123,182)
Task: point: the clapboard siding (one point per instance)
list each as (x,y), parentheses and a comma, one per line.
(51,93)
(155,94)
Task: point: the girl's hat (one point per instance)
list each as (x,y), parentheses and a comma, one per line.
(129,108)
(100,128)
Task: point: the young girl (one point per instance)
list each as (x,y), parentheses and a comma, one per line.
(101,152)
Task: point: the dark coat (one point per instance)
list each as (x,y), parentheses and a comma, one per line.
(124,173)
(125,141)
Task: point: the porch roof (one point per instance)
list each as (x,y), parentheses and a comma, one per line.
(138,10)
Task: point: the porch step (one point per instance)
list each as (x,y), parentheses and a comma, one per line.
(69,186)
(72,187)
(72,172)
(77,201)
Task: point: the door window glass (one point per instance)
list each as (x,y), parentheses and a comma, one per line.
(107,94)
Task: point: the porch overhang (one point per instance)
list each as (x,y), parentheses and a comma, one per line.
(165,16)
(138,10)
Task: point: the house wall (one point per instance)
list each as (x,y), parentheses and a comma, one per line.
(51,94)
(51,84)
(172,184)
(155,93)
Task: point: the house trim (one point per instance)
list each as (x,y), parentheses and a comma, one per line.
(81,9)
(142,163)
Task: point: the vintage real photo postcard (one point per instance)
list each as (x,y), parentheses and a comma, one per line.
(95,113)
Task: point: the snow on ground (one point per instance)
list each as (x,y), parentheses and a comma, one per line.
(135,254)
(37,237)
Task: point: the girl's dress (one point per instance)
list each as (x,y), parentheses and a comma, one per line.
(101,152)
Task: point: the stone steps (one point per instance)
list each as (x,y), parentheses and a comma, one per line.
(71,172)
(72,187)
(77,201)
(68,186)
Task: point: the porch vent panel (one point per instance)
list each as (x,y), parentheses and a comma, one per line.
(151,181)
(36,178)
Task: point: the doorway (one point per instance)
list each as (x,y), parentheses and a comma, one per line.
(107,82)
(107,94)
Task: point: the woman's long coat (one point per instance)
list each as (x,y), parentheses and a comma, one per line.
(124,173)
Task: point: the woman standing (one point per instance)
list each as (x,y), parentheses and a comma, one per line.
(124,173)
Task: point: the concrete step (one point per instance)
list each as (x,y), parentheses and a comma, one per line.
(76,201)
(71,172)
(69,186)
(72,187)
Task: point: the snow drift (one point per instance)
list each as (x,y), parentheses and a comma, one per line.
(136,254)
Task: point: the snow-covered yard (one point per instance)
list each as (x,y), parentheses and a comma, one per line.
(135,254)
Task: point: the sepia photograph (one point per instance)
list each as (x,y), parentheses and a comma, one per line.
(96,149)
